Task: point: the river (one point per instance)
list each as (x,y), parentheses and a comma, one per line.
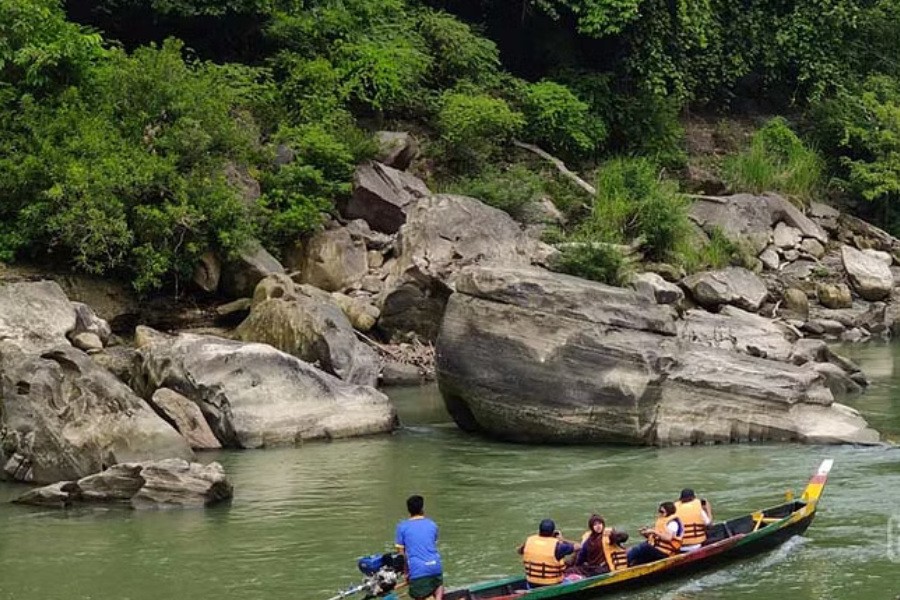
(300,516)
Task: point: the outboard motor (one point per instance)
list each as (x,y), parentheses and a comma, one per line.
(382,571)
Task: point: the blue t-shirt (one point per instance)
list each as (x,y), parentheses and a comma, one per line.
(418,537)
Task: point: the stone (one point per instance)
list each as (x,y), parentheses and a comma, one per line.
(333,261)
(186,417)
(854,335)
(89,342)
(791,255)
(537,357)
(372,284)
(796,303)
(737,330)
(382,196)
(374,240)
(834,295)
(653,286)
(827,327)
(208,272)
(86,321)
(880,256)
(785,236)
(152,484)
(250,266)
(117,360)
(307,323)
(35,316)
(870,277)
(400,374)
(812,247)
(733,285)
(375,259)
(65,417)
(241,305)
(253,395)
(769,258)
(362,314)
(396,149)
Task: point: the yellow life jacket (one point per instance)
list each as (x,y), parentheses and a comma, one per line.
(541,565)
(616,555)
(691,515)
(666,547)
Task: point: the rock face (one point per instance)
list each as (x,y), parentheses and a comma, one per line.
(35,316)
(382,196)
(869,276)
(531,356)
(64,417)
(734,285)
(241,274)
(443,234)
(170,483)
(308,323)
(186,417)
(253,395)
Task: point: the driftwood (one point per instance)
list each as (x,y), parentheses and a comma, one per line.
(560,166)
(415,353)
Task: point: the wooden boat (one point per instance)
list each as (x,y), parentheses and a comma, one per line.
(727,541)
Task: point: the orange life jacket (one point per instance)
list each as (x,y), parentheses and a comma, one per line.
(666,547)
(691,515)
(616,556)
(541,565)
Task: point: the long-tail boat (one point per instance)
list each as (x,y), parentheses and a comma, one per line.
(727,541)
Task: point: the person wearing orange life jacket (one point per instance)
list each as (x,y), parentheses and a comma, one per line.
(543,555)
(601,549)
(695,515)
(663,539)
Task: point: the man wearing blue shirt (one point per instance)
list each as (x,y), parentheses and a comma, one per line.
(417,538)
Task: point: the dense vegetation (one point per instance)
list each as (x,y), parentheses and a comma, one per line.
(132,131)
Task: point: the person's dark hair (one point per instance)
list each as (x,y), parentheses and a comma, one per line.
(594,519)
(547,527)
(618,537)
(669,507)
(415,505)
(687,494)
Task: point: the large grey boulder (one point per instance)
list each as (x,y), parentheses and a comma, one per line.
(253,395)
(530,356)
(186,417)
(308,323)
(333,260)
(653,286)
(396,149)
(35,316)
(733,285)
(382,196)
(169,483)
(252,264)
(86,321)
(869,276)
(64,417)
(443,234)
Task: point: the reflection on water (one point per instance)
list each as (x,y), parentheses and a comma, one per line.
(301,516)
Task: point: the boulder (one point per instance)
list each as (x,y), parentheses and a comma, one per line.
(400,374)
(374,240)
(824,215)
(795,303)
(740,331)
(869,276)
(35,316)
(86,321)
(382,196)
(165,483)
(117,360)
(65,417)
(89,342)
(834,295)
(530,356)
(733,285)
(208,272)
(333,260)
(241,274)
(443,234)
(813,248)
(880,256)
(653,286)
(769,258)
(362,314)
(308,323)
(396,149)
(185,416)
(785,236)
(253,395)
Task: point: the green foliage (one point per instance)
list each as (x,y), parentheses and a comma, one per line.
(634,203)
(511,190)
(459,54)
(556,118)
(39,48)
(383,73)
(720,251)
(590,259)
(777,160)
(475,126)
(595,17)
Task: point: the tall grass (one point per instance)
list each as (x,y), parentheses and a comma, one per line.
(776,161)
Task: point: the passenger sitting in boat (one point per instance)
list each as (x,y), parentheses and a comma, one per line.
(663,539)
(601,549)
(543,555)
(695,515)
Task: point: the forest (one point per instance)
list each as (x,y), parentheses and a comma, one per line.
(129,128)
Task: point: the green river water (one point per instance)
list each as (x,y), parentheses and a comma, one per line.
(300,516)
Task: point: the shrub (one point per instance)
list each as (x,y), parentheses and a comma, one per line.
(511,190)
(557,119)
(778,161)
(458,53)
(475,126)
(383,73)
(590,259)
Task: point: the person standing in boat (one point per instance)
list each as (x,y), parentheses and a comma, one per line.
(416,538)
(663,539)
(695,515)
(543,555)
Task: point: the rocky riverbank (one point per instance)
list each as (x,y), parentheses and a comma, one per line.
(273,354)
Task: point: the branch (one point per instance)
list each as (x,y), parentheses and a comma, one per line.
(560,165)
